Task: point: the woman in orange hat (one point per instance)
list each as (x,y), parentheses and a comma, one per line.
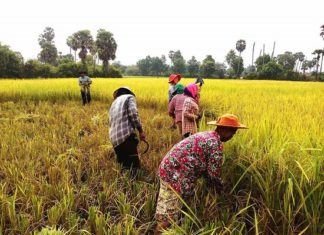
(198,155)
(173,80)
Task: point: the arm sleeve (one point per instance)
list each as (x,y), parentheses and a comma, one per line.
(171,108)
(133,114)
(214,164)
(187,106)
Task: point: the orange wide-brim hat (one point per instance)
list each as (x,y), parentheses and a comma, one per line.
(172,77)
(228,120)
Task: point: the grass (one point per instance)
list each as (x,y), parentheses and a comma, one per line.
(58,174)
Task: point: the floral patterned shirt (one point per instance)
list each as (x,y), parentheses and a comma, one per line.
(198,155)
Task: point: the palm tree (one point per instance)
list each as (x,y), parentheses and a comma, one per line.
(73,44)
(106,48)
(240,46)
(317,52)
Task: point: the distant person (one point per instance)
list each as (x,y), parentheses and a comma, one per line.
(84,83)
(173,80)
(124,120)
(176,105)
(200,81)
(190,110)
(198,155)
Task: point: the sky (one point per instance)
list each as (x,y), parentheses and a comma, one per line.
(154,27)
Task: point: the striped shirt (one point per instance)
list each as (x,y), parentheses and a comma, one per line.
(123,119)
(175,107)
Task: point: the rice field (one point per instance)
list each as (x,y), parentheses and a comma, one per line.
(58,173)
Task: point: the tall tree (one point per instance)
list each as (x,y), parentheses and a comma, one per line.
(84,41)
(48,54)
(240,46)
(318,53)
(304,66)
(261,61)
(287,60)
(208,67)
(144,66)
(178,62)
(252,64)
(193,67)
(106,47)
(11,63)
(73,44)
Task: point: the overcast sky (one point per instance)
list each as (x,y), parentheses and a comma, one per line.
(154,27)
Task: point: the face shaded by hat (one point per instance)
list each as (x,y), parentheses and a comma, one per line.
(228,120)
(122,91)
(227,125)
(178,89)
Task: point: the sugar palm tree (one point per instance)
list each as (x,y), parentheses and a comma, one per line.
(240,47)
(318,53)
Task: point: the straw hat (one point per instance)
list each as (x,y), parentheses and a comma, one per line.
(228,120)
(173,77)
(123,88)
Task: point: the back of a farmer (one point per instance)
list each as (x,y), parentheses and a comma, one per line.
(124,120)
(176,105)
(198,155)
(190,110)
(84,83)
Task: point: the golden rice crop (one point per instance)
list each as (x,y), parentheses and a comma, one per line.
(58,174)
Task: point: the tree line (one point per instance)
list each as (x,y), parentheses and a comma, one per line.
(95,56)
(51,63)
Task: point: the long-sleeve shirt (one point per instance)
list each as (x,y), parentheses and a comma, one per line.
(175,107)
(170,91)
(189,116)
(198,155)
(123,119)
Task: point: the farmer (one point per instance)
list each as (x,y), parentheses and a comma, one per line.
(190,110)
(200,81)
(196,156)
(173,80)
(176,104)
(124,120)
(84,83)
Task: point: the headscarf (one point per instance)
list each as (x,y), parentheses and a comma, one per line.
(192,91)
(178,89)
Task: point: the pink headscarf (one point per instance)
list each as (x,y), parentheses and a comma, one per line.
(192,88)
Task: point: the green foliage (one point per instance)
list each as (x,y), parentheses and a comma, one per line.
(252,76)
(207,68)
(69,70)
(152,66)
(271,70)
(262,60)
(287,60)
(178,62)
(48,53)
(193,67)
(132,70)
(106,47)
(11,63)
